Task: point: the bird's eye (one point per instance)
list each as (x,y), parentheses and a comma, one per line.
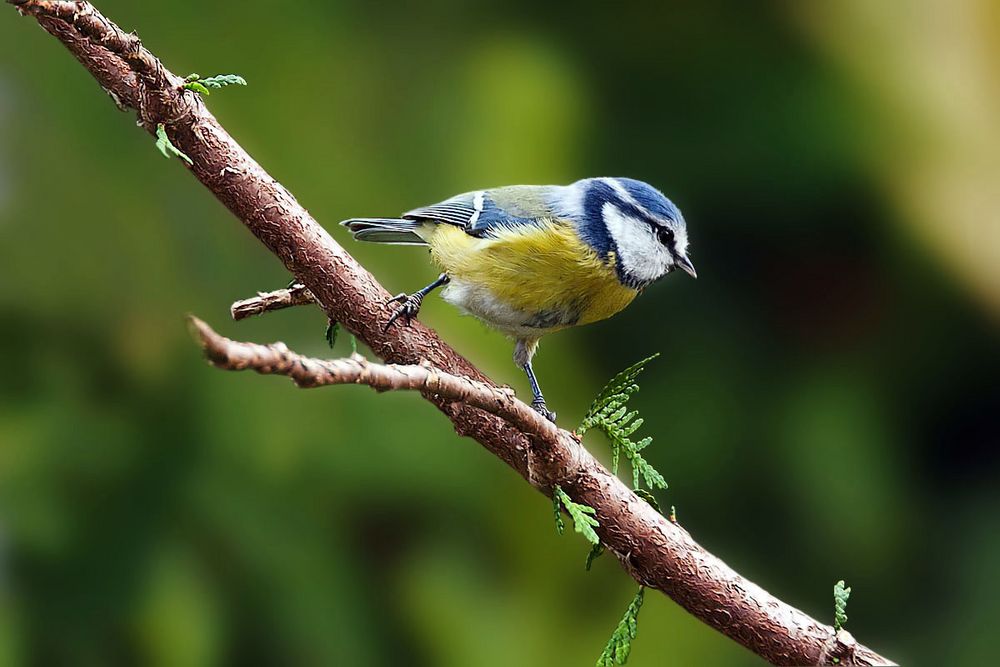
(665,236)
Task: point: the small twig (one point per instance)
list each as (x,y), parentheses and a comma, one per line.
(307,372)
(296,295)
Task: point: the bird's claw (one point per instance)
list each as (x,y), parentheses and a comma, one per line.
(538,404)
(409,307)
(402,296)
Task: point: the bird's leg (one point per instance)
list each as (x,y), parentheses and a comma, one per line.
(410,303)
(538,402)
(524,350)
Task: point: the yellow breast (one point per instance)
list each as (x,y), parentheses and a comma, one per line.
(531,269)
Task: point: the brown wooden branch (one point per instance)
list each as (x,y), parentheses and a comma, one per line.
(654,551)
(306,372)
(264,302)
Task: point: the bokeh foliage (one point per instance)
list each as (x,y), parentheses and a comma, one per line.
(825,406)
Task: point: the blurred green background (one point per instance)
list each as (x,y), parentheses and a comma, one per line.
(826,405)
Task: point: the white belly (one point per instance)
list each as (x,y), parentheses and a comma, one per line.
(480,302)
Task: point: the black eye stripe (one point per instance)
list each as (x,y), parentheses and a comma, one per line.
(663,234)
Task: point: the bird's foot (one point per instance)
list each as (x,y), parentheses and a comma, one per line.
(538,403)
(408,308)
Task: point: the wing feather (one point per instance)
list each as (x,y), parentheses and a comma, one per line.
(458,210)
(479,213)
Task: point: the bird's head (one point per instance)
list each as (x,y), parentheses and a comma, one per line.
(635,221)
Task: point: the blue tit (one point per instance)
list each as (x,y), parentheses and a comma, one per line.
(532,259)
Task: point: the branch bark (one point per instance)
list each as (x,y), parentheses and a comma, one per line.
(656,552)
(264,302)
(306,372)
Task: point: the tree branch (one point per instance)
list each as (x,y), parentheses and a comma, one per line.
(306,372)
(296,295)
(657,553)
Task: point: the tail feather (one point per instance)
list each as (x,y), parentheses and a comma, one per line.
(385,230)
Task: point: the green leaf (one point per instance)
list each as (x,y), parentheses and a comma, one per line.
(331,332)
(650,475)
(595,552)
(616,416)
(354,344)
(582,515)
(609,413)
(197,87)
(619,646)
(633,427)
(623,383)
(167,148)
(223,80)
(557,511)
(840,596)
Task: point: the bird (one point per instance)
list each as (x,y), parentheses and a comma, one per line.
(529,260)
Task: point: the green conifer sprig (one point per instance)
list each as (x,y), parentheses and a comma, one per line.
(582,515)
(609,413)
(840,596)
(595,552)
(557,512)
(199,85)
(619,646)
(332,329)
(223,80)
(167,148)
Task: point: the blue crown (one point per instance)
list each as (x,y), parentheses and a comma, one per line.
(651,199)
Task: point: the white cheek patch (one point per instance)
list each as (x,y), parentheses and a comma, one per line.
(640,253)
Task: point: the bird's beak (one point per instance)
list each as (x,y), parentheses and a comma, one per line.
(685,263)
